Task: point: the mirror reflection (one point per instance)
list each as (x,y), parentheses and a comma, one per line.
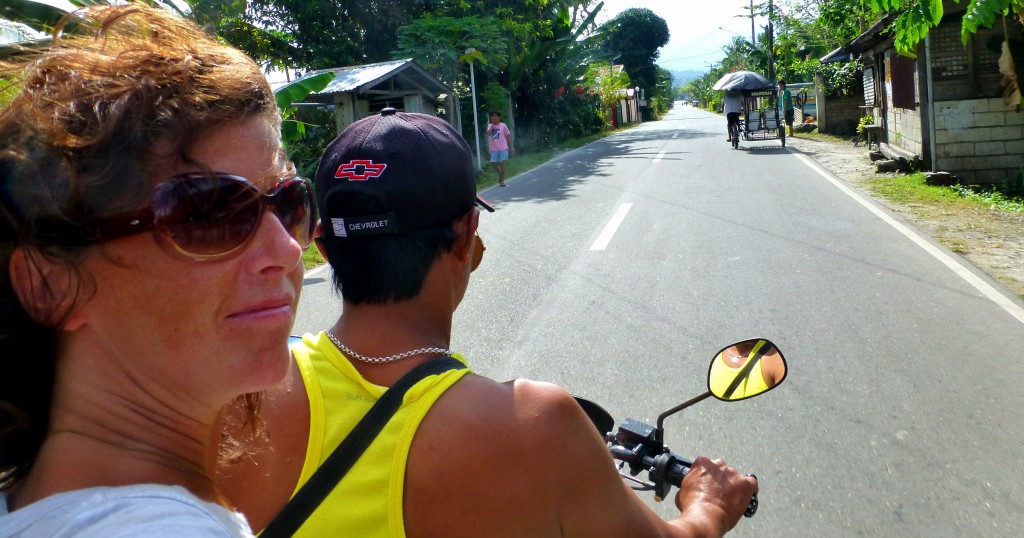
(746,369)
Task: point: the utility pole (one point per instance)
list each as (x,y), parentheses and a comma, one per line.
(752,38)
(771,43)
(476,126)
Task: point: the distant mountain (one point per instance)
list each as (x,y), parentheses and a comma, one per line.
(682,77)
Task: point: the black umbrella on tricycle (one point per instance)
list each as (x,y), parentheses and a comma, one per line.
(742,80)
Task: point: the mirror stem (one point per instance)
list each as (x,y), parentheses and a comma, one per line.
(659,431)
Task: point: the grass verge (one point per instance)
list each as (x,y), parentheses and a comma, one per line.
(983,226)
(815,135)
(311,258)
(912,189)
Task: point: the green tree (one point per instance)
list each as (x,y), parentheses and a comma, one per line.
(298,33)
(438,43)
(553,53)
(633,38)
(42,16)
(536,50)
(529,47)
(805,30)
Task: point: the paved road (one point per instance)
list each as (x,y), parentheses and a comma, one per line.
(901,415)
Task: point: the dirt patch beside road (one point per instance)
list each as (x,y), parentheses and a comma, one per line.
(990,239)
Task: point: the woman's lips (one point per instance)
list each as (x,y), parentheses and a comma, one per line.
(273,308)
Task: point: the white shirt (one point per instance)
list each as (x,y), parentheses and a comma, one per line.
(147,510)
(732,102)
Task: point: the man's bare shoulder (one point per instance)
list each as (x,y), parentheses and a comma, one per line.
(534,406)
(493,448)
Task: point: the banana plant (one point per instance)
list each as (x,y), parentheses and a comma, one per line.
(293,130)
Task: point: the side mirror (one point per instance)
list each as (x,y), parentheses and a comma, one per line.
(746,369)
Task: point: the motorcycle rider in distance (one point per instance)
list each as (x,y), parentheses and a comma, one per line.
(465,456)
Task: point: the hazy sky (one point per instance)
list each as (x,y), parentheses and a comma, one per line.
(694,27)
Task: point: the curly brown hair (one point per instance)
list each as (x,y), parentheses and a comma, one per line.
(127,85)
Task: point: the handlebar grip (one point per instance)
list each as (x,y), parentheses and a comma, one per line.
(752,507)
(680,468)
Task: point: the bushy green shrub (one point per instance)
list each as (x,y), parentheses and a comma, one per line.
(866,120)
(841,78)
(320,130)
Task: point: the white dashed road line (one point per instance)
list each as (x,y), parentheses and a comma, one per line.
(613,225)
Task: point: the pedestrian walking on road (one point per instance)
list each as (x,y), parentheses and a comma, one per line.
(787,104)
(499,139)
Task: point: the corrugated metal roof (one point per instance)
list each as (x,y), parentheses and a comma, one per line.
(364,77)
(353,77)
(16,37)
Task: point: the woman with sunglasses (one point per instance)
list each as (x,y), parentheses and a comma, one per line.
(150,244)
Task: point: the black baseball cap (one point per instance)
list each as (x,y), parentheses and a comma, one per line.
(394,173)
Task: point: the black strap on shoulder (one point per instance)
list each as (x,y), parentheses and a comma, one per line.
(740,377)
(326,478)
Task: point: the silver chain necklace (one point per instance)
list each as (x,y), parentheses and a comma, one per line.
(389,358)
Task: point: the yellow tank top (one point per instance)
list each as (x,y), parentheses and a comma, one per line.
(368,501)
(721,376)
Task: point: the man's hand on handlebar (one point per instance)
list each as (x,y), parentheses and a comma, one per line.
(718,491)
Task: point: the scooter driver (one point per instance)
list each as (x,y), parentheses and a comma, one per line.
(746,369)
(464,455)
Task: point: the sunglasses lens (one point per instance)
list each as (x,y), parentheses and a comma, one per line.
(206,216)
(478,252)
(293,205)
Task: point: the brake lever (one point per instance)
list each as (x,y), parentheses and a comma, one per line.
(645,485)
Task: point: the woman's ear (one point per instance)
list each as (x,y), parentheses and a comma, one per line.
(47,290)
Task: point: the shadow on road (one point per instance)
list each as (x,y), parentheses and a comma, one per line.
(775,149)
(587,163)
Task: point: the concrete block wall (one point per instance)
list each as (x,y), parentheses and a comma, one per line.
(979,140)
(839,115)
(904,129)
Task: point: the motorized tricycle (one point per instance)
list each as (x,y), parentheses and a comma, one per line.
(761,117)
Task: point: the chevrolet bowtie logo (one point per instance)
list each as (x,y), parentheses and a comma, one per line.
(360,170)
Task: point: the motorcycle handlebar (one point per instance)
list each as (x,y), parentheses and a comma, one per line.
(664,470)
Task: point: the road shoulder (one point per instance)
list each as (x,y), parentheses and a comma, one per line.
(989,239)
